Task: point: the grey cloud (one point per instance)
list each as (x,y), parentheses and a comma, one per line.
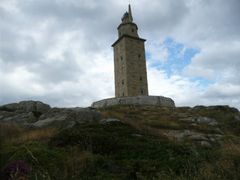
(59,9)
(95,23)
(58,71)
(226,91)
(159,18)
(12,54)
(210,21)
(222,61)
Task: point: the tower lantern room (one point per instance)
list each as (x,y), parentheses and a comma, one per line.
(127,27)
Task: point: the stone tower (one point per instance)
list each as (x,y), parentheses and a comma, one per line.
(129,60)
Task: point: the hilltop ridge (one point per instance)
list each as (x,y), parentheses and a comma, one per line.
(120,142)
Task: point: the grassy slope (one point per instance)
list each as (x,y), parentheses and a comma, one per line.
(134,148)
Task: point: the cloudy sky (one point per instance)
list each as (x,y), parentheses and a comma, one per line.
(59,51)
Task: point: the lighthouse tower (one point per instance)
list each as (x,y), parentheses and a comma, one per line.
(131,86)
(129,60)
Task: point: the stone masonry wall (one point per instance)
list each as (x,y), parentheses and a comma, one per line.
(137,100)
(130,68)
(136,71)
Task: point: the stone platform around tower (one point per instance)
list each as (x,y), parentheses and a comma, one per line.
(135,100)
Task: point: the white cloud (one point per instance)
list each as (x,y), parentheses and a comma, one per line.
(93,82)
(185,92)
(180,89)
(158,53)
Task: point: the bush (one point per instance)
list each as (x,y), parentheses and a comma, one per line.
(16,170)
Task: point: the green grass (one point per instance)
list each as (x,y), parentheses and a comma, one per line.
(118,153)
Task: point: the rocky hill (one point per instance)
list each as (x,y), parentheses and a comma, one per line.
(119,142)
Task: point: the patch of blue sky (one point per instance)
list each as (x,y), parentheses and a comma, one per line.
(179,56)
(202,83)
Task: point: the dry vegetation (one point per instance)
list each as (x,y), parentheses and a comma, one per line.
(135,148)
(12,133)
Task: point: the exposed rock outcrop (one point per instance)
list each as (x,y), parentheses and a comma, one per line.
(203,139)
(26,106)
(38,114)
(71,116)
(205,126)
(109,120)
(201,120)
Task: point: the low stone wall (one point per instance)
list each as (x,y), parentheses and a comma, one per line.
(136,100)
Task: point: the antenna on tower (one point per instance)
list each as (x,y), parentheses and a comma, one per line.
(130,12)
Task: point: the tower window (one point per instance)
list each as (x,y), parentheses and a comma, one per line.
(122,82)
(122,94)
(139,55)
(140,78)
(132,30)
(141,91)
(121,58)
